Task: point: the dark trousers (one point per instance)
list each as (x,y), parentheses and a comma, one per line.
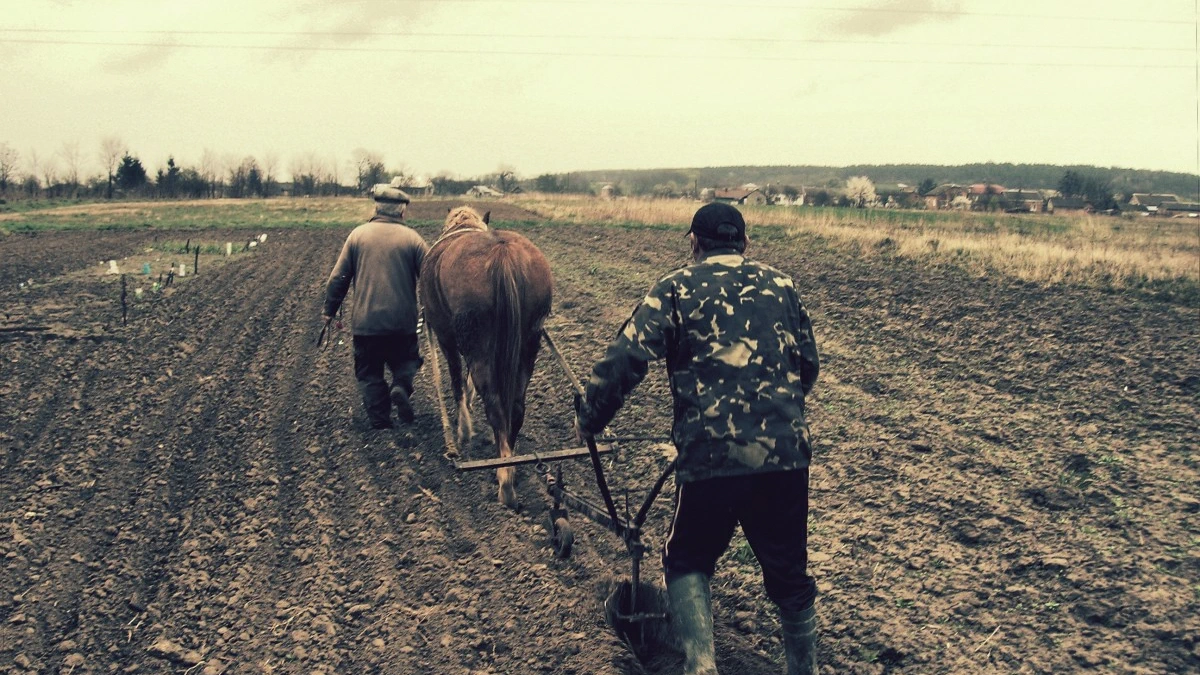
(772,509)
(401,354)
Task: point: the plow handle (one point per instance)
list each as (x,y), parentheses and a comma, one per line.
(594,453)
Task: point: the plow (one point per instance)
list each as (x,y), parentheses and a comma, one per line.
(635,610)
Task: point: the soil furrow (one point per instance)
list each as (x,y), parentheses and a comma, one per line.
(1001,482)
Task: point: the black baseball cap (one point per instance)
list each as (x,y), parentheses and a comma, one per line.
(718,221)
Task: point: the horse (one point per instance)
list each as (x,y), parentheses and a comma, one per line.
(486,294)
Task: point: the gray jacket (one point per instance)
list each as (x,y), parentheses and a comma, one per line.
(382,259)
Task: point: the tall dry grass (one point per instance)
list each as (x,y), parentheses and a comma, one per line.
(1143,253)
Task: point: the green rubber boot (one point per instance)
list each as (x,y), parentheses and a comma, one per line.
(800,640)
(691,618)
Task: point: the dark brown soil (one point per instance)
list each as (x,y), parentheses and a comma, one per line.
(1005,476)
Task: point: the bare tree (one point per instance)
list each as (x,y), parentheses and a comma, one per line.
(506,178)
(228,165)
(49,175)
(270,166)
(210,166)
(71,157)
(33,168)
(306,174)
(401,171)
(8,165)
(369,168)
(333,175)
(112,149)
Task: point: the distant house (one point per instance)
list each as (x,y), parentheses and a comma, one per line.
(947,196)
(1023,201)
(986,196)
(740,196)
(1152,202)
(898,196)
(607,191)
(1179,210)
(983,189)
(1062,205)
(1151,199)
(484,192)
(1129,209)
(414,187)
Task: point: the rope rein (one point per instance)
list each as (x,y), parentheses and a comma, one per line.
(435,366)
(562,361)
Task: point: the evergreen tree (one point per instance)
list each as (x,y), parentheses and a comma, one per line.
(168,181)
(130,175)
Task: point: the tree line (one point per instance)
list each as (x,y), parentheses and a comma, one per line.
(833,180)
(122,174)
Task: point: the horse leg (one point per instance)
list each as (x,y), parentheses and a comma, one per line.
(466,430)
(454,365)
(506,477)
(528,356)
(471,393)
(499,420)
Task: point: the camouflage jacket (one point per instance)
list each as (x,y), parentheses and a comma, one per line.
(741,356)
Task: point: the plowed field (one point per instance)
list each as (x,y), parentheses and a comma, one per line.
(1005,477)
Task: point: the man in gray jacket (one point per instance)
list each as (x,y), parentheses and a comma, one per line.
(382,259)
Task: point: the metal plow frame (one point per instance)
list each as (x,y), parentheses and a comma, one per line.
(562,536)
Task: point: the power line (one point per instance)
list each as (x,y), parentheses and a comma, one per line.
(548,36)
(623,55)
(728,6)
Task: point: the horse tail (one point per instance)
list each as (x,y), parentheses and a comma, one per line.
(506,363)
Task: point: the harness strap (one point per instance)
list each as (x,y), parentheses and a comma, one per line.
(446,235)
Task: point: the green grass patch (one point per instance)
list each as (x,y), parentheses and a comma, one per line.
(251,214)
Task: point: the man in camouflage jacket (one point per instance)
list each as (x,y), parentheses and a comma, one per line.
(741,357)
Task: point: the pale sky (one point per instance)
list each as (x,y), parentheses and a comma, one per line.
(465,87)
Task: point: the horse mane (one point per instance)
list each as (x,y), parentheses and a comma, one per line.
(464,217)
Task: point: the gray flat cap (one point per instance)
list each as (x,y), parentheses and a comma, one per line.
(384,192)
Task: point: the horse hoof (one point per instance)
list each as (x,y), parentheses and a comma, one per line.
(508,497)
